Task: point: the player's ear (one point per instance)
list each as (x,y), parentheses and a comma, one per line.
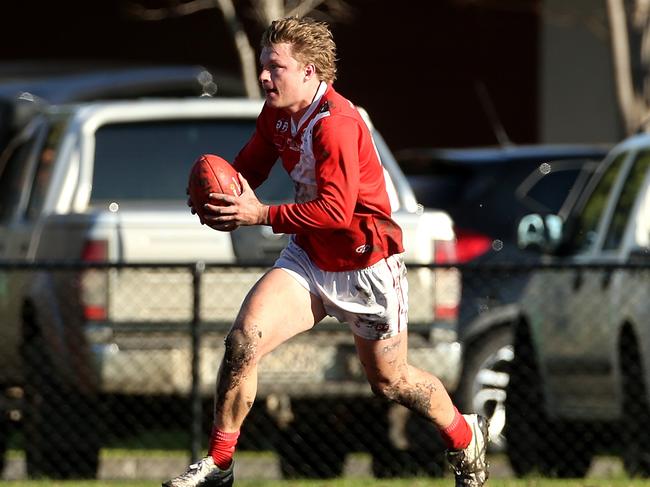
(310,71)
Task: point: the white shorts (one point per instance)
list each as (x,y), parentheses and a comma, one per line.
(373,301)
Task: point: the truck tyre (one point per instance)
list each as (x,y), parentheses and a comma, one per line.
(310,446)
(392,462)
(636,411)
(536,443)
(60,429)
(482,386)
(300,457)
(395,463)
(423,453)
(4,437)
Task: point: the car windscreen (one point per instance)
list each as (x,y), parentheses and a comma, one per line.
(151,160)
(484,197)
(480,197)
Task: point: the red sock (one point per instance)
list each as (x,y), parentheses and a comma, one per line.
(458,434)
(222,447)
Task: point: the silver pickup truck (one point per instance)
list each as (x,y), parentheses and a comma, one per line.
(105,183)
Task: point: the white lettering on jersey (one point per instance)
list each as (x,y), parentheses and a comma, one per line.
(282,125)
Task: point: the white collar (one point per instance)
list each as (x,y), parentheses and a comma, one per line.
(322,87)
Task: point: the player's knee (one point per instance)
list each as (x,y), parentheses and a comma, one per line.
(241,349)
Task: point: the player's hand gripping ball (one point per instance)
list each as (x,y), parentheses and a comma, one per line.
(211,174)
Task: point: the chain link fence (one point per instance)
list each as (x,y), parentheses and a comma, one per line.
(108,371)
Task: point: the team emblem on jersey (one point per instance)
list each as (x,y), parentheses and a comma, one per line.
(362,249)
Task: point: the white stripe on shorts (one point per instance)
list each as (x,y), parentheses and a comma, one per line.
(395,270)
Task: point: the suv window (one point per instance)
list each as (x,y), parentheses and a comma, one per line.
(584,235)
(547,189)
(490,196)
(151,160)
(550,191)
(625,201)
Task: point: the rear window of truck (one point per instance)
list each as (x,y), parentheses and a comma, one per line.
(151,161)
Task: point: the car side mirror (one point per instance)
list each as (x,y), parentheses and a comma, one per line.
(540,232)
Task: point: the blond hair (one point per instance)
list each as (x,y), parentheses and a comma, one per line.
(311,42)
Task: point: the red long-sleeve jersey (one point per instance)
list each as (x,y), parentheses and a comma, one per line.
(341,216)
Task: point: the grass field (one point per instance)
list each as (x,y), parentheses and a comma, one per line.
(356,483)
(607,476)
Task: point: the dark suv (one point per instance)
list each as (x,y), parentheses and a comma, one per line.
(580,379)
(486,191)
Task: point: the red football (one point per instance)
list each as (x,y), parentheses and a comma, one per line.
(211,174)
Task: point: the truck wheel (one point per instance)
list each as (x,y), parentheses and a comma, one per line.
(534,442)
(393,463)
(422,454)
(636,411)
(482,386)
(60,426)
(309,450)
(4,436)
(313,444)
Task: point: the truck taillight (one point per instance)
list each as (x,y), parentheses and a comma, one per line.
(95,251)
(471,245)
(444,251)
(94,282)
(447,289)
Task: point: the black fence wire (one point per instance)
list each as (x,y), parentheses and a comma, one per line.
(108,371)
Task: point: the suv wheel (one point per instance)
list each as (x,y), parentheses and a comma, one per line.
(482,387)
(60,427)
(636,412)
(534,441)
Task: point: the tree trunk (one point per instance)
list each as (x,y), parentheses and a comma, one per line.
(630,105)
(244,49)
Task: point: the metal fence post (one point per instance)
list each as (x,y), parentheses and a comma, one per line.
(195,394)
